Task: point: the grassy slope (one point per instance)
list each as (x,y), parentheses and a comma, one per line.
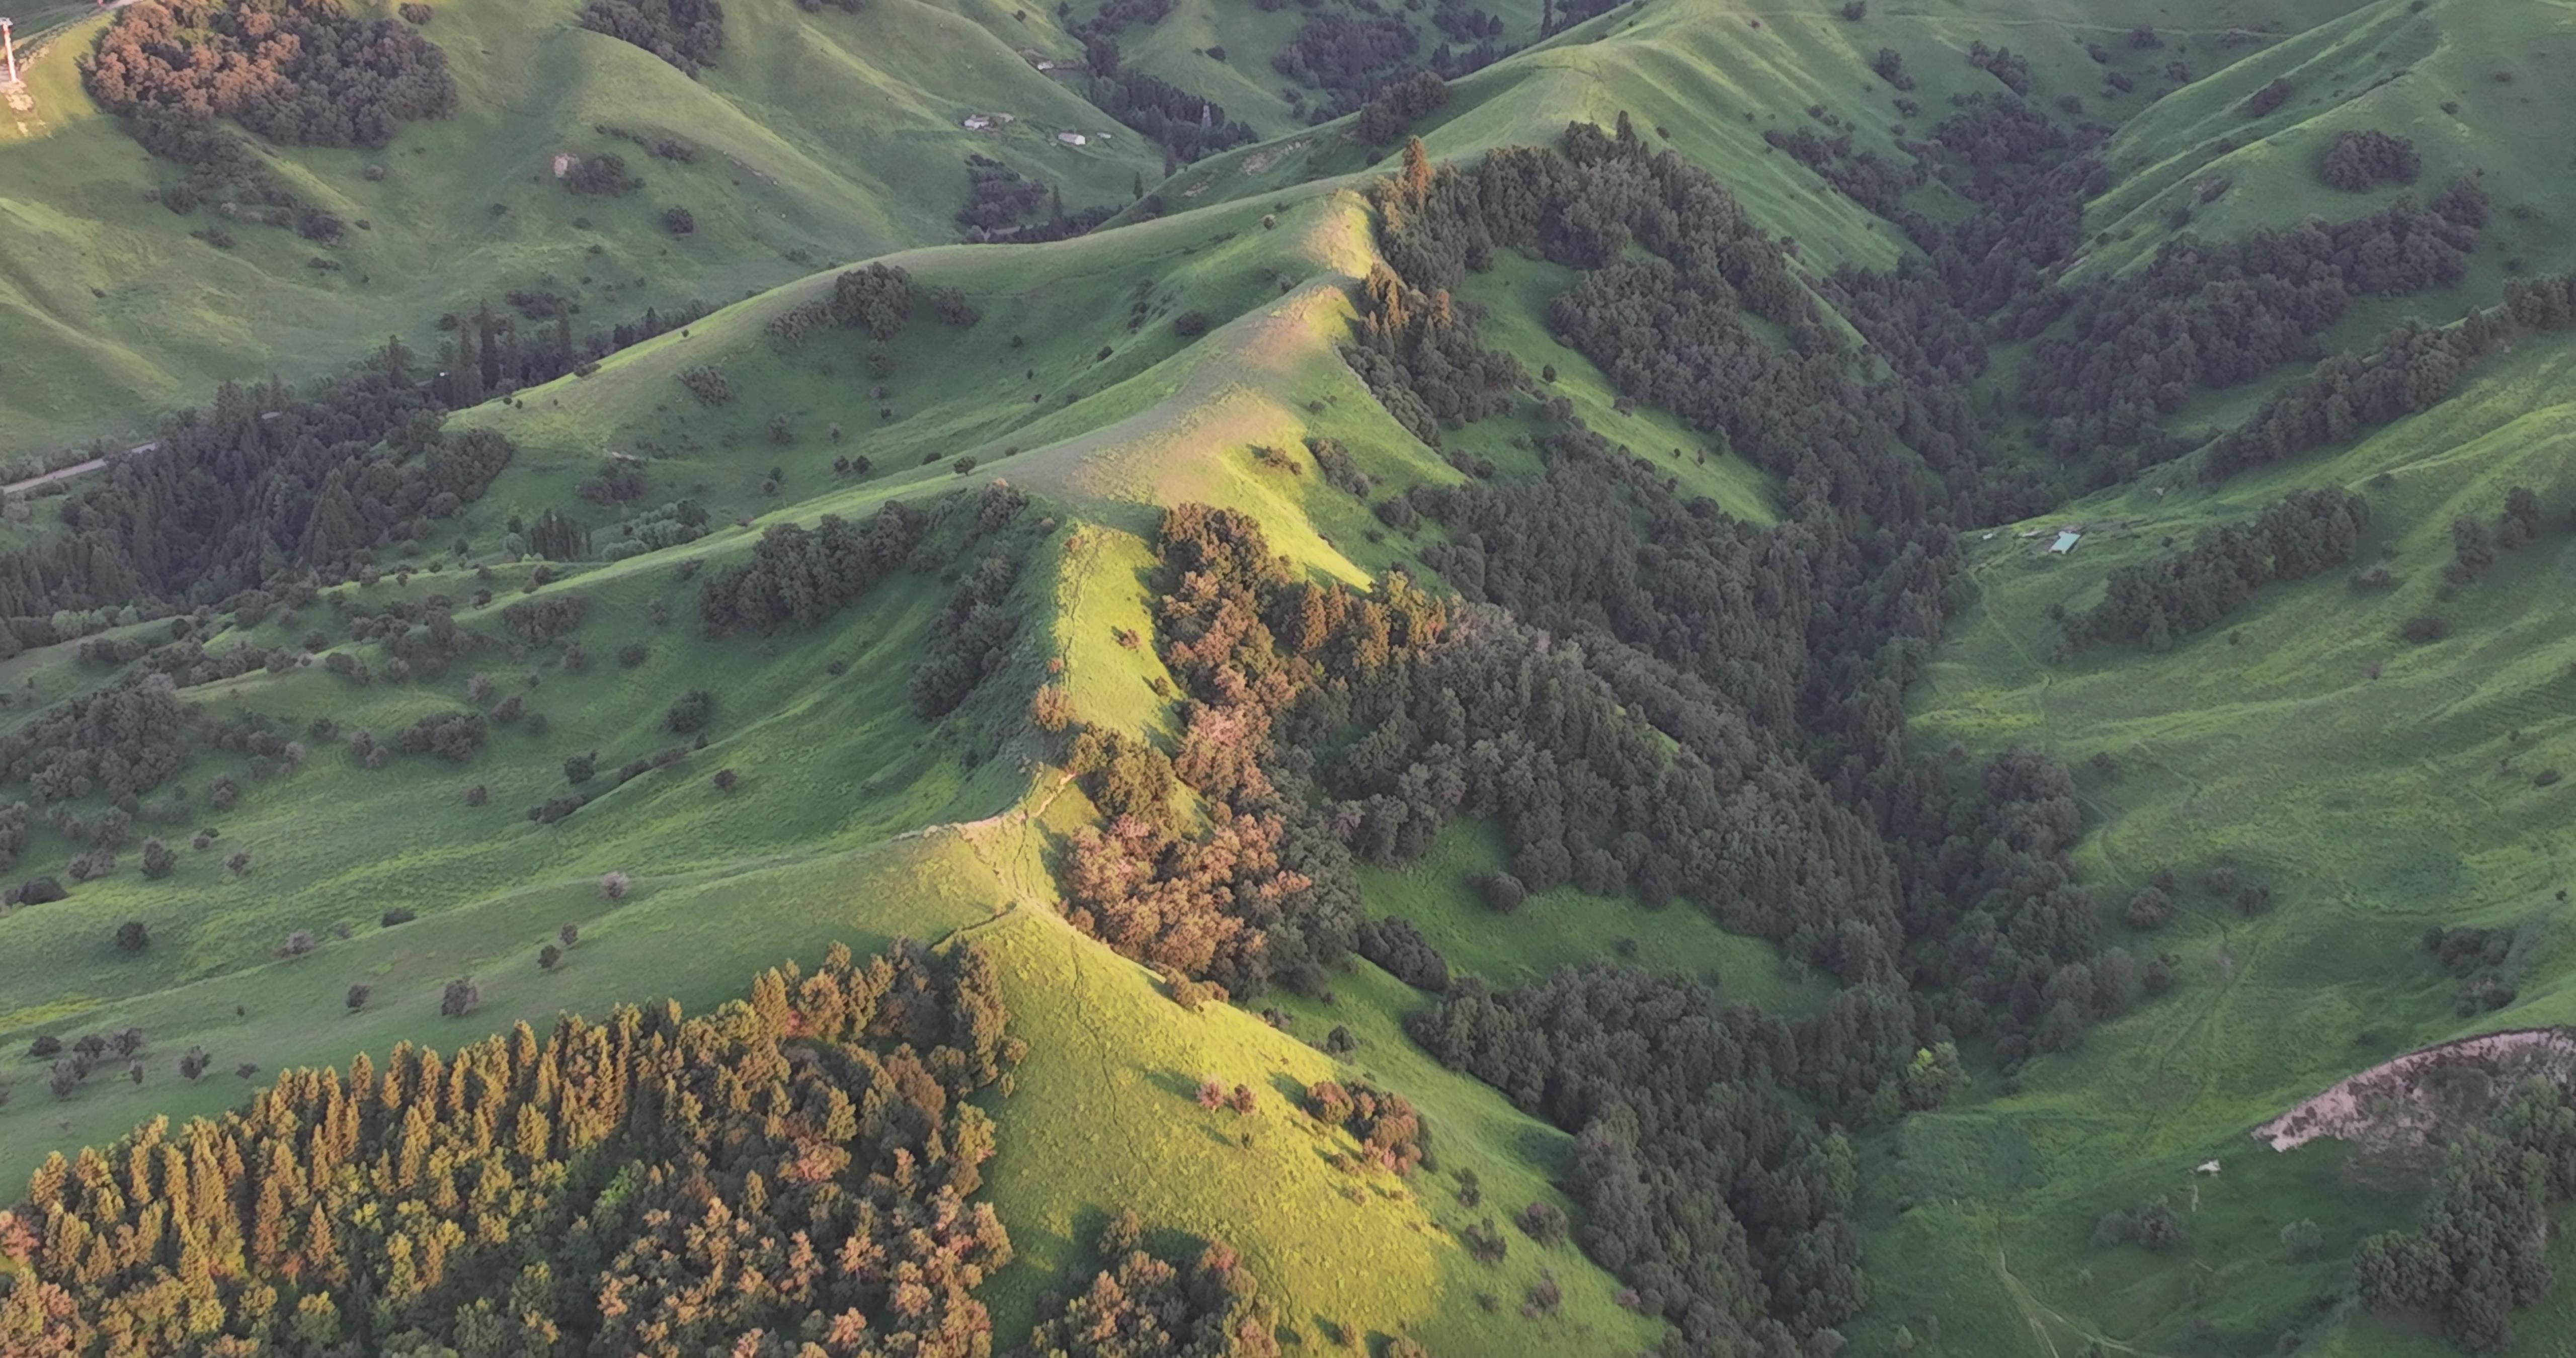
(1162,419)
(2374,808)
(1563,926)
(834,766)
(2387,66)
(1245,82)
(1709,77)
(1104,1117)
(823,136)
(723,883)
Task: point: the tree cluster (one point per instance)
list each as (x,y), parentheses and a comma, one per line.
(302,72)
(491,354)
(124,741)
(1146,1306)
(1702,1183)
(1349,54)
(1266,889)
(453,736)
(2408,368)
(1188,125)
(1421,358)
(685,33)
(2267,99)
(1394,943)
(2481,1250)
(2299,536)
(2476,543)
(797,1167)
(546,619)
(2200,317)
(798,577)
(601,176)
(1404,103)
(999,201)
(2007,66)
(1393,1137)
(261,485)
(972,635)
(2359,161)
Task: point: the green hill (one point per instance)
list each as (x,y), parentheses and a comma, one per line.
(820,137)
(2381,788)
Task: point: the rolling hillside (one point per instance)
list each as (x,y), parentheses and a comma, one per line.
(820,137)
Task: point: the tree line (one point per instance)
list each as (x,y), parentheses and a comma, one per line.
(1188,126)
(2134,348)
(797,577)
(2410,367)
(800,1166)
(263,485)
(685,33)
(2299,536)
(1703,1185)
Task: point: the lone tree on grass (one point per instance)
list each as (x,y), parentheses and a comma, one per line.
(460,998)
(1502,891)
(548,957)
(132,937)
(614,885)
(356,999)
(570,934)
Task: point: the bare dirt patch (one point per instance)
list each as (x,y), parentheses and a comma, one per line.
(2403,1103)
(1263,159)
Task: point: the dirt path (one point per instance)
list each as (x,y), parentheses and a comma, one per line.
(57,474)
(2040,1315)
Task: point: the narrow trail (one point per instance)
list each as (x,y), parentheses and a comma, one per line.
(2039,1315)
(61,474)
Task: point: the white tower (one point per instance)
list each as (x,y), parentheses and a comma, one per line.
(10,46)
